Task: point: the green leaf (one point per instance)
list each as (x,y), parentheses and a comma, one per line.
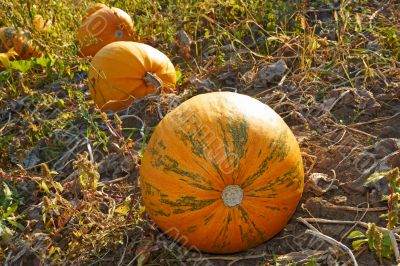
(141,259)
(178,76)
(7,191)
(58,186)
(383,216)
(5,58)
(355,234)
(312,262)
(44,216)
(4,140)
(5,196)
(357,244)
(44,186)
(387,248)
(124,207)
(22,65)
(60,103)
(375,177)
(5,232)
(53,172)
(42,61)
(5,75)
(11,210)
(16,224)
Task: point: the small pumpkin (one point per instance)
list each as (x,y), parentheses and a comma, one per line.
(103,26)
(19,39)
(221,173)
(123,71)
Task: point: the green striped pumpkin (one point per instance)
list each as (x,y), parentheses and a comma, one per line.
(222,173)
(19,39)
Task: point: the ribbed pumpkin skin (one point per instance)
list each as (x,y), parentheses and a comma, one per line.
(116,75)
(20,40)
(207,143)
(103,26)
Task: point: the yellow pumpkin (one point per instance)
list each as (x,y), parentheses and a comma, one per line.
(222,173)
(102,26)
(123,71)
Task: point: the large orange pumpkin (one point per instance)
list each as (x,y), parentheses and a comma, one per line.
(123,71)
(92,9)
(102,26)
(20,40)
(222,173)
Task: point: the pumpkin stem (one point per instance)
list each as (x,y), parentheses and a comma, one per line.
(151,79)
(232,195)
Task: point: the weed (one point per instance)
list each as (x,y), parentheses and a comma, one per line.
(378,240)
(9,217)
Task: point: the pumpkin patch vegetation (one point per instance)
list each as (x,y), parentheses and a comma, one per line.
(102,25)
(128,145)
(124,71)
(222,173)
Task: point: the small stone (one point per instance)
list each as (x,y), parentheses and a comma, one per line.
(270,73)
(339,199)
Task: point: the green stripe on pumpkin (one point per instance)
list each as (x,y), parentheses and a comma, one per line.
(169,164)
(192,228)
(190,202)
(287,178)
(237,130)
(196,140)
(151,190)
(278,150)
(161,213)
(245,218)
(208,218)
(216,167)
(222,234)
